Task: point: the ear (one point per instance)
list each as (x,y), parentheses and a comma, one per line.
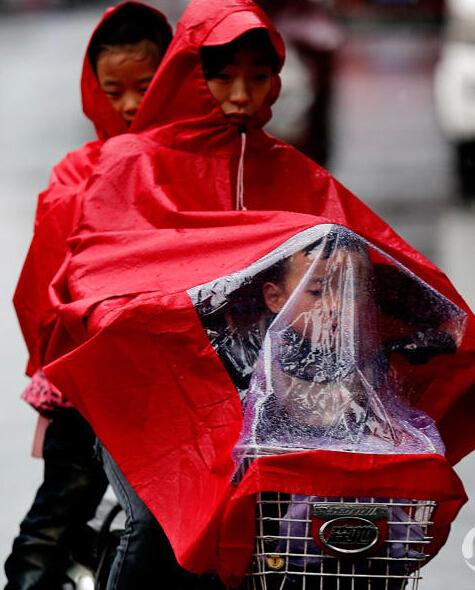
(274,296)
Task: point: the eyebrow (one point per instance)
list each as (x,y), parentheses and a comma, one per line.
(110,82)
(262,63)
(146,78)
(315,280)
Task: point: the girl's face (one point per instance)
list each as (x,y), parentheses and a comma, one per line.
(322,295)
(125,72)
(243,86)
(276,295)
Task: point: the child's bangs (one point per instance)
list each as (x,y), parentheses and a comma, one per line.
(128,26)
(217,57)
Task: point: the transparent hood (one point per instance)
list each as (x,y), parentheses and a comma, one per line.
(324,339)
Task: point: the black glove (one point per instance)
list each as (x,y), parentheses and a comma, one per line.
(420,347)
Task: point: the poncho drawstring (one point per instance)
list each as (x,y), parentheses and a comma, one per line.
(240,175)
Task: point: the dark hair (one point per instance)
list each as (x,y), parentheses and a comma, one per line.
(337,237)
(215,58)
(129,25)
(247,305)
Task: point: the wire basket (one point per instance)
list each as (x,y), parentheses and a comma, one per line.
(319,543)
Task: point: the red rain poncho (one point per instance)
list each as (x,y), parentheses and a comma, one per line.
(57,206)
(157,219)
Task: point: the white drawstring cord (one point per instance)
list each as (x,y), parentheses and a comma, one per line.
(240,174)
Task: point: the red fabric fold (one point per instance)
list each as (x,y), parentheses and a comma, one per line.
(148,379)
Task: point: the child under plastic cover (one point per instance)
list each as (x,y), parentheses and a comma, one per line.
(323,378)
(325,339)
(322,338)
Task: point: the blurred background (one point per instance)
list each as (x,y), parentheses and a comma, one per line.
(382,92)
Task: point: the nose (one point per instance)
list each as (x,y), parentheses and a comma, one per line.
(239,94)
(130,105)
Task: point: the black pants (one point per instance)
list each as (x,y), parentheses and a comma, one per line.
(73,485)
(144,556)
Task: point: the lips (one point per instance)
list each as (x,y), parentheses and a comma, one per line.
(238,118)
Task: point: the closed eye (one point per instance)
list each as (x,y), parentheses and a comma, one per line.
(222,76)
(261,77)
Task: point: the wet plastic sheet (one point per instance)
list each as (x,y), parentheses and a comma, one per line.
(323,339)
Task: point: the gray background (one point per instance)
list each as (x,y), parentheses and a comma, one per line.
(388,151)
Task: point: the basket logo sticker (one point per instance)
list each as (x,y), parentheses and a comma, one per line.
(345,529)
(468,547)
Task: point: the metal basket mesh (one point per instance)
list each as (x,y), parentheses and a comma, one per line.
(287,558)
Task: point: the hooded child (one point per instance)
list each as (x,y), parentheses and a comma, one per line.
(326,377)
(120,63)
(223,194)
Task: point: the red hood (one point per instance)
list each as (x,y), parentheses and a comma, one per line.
(180,94)
(96,106)
(58,205)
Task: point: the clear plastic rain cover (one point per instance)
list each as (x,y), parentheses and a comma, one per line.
(322,338)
